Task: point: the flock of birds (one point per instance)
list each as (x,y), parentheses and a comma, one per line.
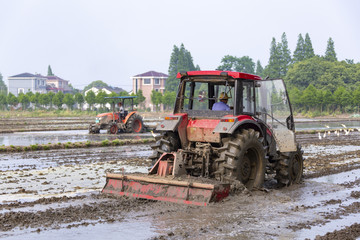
(337,132)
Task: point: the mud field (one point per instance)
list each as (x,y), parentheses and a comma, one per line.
(56,194)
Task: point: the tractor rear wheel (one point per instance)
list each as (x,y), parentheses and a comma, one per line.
(290,168)
(134,124)
(244,159)
(167,142)
(113,129)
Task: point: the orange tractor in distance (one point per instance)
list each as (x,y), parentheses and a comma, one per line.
(116,121)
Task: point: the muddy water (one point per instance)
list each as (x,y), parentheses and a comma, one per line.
(29,138)
(327,200)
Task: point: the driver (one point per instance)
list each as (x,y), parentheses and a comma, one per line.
(121,109)
(222,105)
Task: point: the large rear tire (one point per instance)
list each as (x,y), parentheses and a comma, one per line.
(290,168)
(134,124)
(167,142)
(244,159)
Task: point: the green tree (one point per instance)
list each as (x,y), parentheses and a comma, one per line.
(79,99)
(308,48)
(330,53)
(90,98)
(12,100)
(285,56)
(69,100)
(34,98)
(309,98)
(273,69)
(51,96)
(356,98)
(139,98)
(97,84)
(58,99)
(346,100)
(3,87)
(50,73)
(44,99)
(3,101)
(101,98)
(338,97)
(168,100)
(156,99)
(301,74)
(24,100)
(180,61)
(299,53)
(295,96)
(259,69)
(328,99)
(232,63)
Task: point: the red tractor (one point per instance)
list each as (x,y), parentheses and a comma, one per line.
(227,128)
(116,121)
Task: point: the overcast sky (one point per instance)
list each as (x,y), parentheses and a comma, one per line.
(113,40)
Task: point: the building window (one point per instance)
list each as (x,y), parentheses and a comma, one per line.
(157,81)
(147,81)
(21,90)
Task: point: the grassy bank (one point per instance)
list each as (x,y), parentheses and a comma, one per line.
(70,145)
(46,113)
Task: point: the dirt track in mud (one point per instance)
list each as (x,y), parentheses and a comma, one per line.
(48,194)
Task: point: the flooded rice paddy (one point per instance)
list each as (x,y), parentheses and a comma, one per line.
(56,194)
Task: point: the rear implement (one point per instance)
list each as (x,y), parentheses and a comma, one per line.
(159,188)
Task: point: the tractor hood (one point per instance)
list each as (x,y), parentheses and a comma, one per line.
(104,114)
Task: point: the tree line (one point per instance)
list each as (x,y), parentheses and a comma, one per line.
(57,100)
(317,84)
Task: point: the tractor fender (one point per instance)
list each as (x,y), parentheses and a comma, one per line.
(231,127)
(246,124)
(128,116)
(175,123)
(170,123)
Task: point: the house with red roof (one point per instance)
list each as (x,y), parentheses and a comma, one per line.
(147,82)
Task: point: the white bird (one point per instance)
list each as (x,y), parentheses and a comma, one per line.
(338,134)
(327,126)
(347,132)
(319,136)
(343,125)
(329,133)
(153,134)
(324,135)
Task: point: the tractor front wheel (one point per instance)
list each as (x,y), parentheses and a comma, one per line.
(244,159)
(93,129)
(113,129)
(290,168)
(134,124)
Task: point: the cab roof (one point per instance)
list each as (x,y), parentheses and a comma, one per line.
(219,73)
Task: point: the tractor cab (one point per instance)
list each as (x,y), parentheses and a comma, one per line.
(121,106)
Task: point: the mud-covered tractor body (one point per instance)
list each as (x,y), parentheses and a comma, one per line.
(239,146)
(116,121)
